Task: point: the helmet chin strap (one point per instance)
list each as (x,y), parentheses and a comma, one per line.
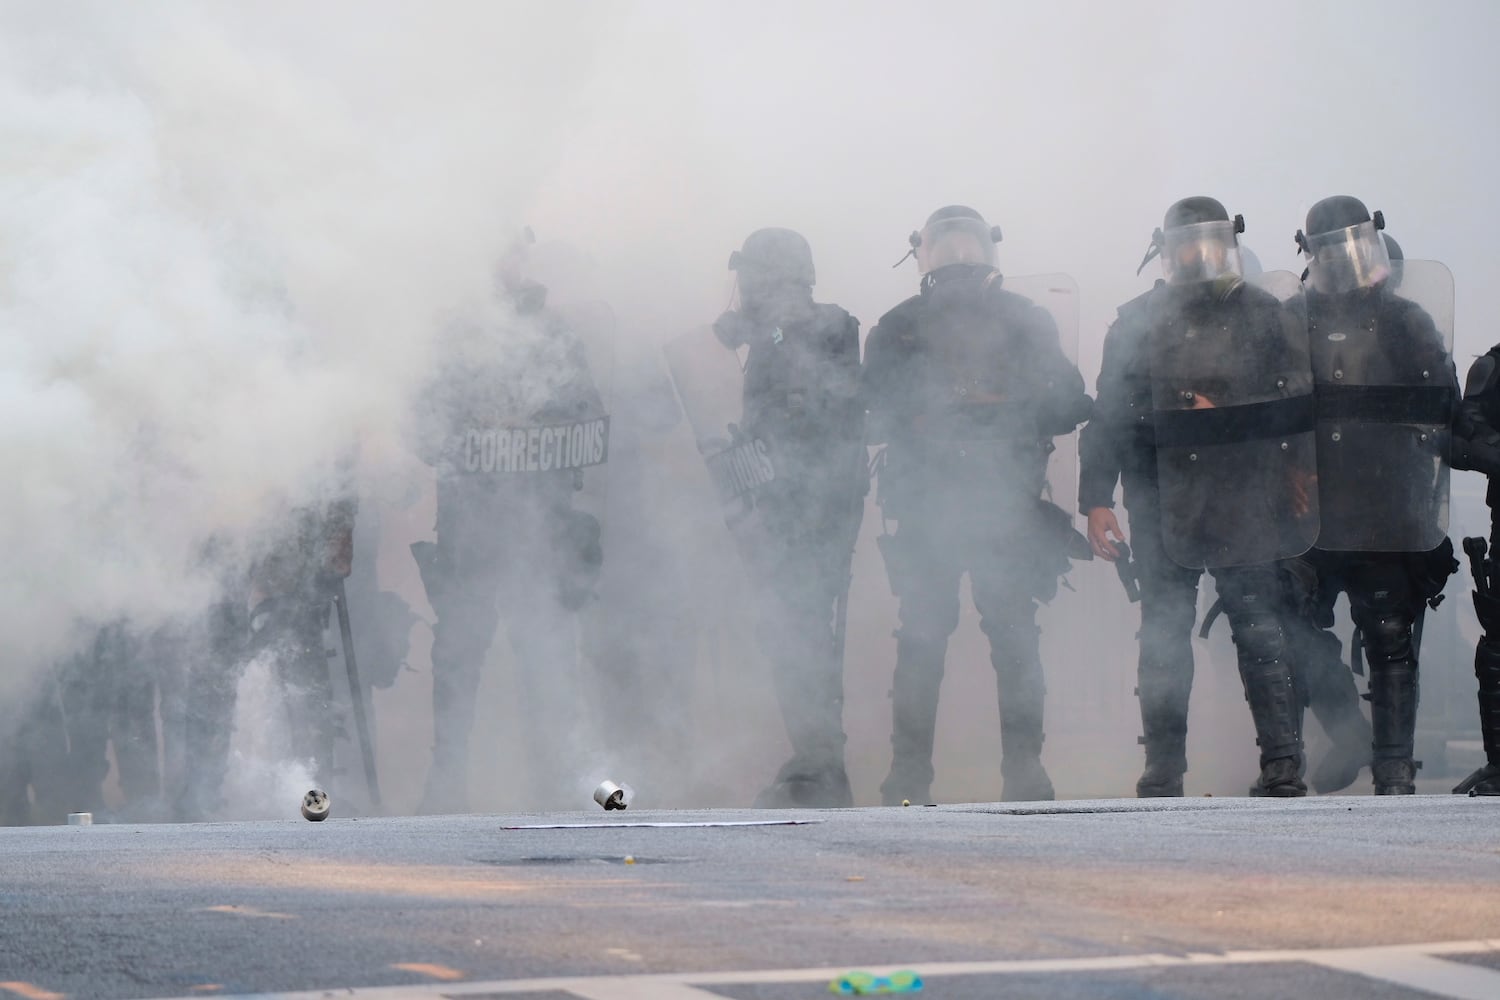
(1158,240)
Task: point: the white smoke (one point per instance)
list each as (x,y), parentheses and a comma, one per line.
(228,234)
(226,240)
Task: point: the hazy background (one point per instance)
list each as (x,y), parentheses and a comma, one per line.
(228,232)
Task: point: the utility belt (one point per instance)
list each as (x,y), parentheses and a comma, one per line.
(1428,572)
(1042,534)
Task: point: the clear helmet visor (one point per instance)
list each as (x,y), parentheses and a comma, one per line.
(955,241)
(1204,251)
(1346,259)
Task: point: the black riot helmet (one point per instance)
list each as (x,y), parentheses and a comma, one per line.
(1343,246)
(955,234)
(781,256)
(1398,260)
(527,295)
(1197,242)
(773,268)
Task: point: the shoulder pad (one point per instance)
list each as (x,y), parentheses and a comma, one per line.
(1141,304)
(832,317)
(1481,376)
(901,317)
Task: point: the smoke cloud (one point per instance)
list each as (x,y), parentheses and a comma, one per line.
(232,238)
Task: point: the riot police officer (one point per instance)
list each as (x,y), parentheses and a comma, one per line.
(515,420)
(1231,437)
(1118,444)
(1386,397)
(1476,446)
(966,384)
(800,400)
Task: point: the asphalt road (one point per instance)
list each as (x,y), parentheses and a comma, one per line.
(1333,897)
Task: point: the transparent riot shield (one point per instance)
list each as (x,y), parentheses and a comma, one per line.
(1386,390)
(1232,391)
(710,382)
(1057,294)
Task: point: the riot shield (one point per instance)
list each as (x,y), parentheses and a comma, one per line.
(1058,295)
(710,384)
(525,426)
(1386,391)
(1232,393)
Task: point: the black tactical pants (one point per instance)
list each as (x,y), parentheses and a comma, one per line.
(475,580)
(1384,602)
(1487,673)
(1009,574)
(216,652)
(1169,609)
(801,569)
(1255,602)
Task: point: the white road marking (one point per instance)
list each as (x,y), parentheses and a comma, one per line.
(1421,972)
(680,825)
(637,990)
(247,911)
(1415,966)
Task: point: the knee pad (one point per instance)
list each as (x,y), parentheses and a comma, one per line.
(1011,629)
(925,617)
(1168,617)
(1258,636)
(1388,638)
(1487,664)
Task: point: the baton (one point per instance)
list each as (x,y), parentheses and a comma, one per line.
(356,692)
(1475,549)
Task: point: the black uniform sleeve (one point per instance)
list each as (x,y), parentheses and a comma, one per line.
(1476,436)
(880,386)
(841,347)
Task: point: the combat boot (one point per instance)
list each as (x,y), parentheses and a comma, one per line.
(1021,766)
(447,789)
(1280,778)
(1395,777)
(800,787)
(1275,709)
(1486,780)
(1023,694)
(914,704)
(810,690)
(1162,778)
(1164,721)
(1025,780)
(446,792)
